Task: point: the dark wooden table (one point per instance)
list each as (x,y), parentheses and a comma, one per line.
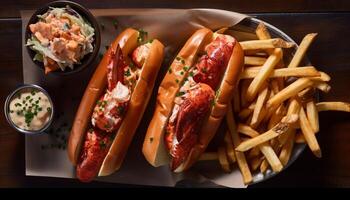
(330,53)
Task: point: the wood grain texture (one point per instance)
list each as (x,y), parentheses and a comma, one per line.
(328,53)
(12,8)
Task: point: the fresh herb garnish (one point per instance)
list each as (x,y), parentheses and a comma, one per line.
(180,94)
(48,109)
(178,58)
(183,61)
(115,24)
(27,97)
(177,80)
(120,110)
(127,73)
(185,68)
(191,74)
(142,35)
(32,92)
(102,144)
(170,70)
(182,73)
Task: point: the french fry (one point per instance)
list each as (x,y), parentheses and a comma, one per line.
(264,165)
(277,130)
(306,95)
(299,54)
(261,117)
(265,44)
(308,71)
(225,165)
(289,92)
(229,148)
(312,115)
(247,130)
(323,77)
(243,114)
(309,134)
(254,60)
(261,32)
(335,106)
(263,74)
(259,105)
(240,157)
(271,157)
(276,116)
(293,109)
(265,148)
(287,149)
(256,52)
(324,87)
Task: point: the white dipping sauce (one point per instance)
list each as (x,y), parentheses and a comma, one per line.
(30,109)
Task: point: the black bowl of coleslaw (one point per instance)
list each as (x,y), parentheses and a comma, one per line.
(62,38)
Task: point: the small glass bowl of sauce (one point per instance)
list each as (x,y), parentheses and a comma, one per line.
(29,109)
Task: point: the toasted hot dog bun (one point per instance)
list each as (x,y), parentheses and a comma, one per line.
(128,41)
(154,148)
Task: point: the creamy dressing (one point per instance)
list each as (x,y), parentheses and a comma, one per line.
(30,110)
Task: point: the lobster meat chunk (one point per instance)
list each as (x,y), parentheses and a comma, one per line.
(184,129)
(210,67)
(94,151)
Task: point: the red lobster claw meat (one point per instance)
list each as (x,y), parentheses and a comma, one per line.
(183,132)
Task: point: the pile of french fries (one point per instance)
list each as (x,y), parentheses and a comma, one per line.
(273,107)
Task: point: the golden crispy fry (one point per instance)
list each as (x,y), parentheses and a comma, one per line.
(240,157)
(271,157)
(262,97)
(265,44)
(299,54)
(287,148)
(312,115)
(323,77)
(324,87)
(243,114)
(277,130)
(225,165)
(229,148)
(264,165)
(261,32)
(308,71)
(247,130)
(309,134)
(336,106)
(306,95)
(256,52)
(290,91)
(254,60)
(261,117)
(293,109)
(263,74)
(276,116)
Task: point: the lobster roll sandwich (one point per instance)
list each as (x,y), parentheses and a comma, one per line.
(192,99)
(113,105)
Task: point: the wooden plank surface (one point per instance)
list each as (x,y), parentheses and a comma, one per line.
(329,53)
(12,8)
